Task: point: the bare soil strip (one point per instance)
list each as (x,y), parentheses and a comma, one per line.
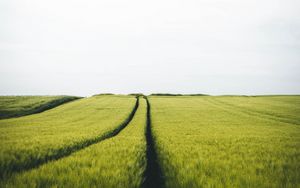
(153,174)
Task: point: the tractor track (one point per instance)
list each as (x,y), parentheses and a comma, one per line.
(153,174)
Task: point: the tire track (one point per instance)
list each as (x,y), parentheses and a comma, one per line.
(64,152)
(153,174)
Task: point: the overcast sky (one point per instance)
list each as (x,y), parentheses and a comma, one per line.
(177,46)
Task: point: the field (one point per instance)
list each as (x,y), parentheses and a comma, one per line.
(155,141)
(116,162)
(33,140)
(15,106)
(228,141)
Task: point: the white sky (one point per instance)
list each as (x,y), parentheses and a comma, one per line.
(177,46)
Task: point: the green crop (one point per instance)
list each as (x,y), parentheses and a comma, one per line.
(279,108)
(15,106)
(115,162)
(225,142)
(29,141)
(177,141)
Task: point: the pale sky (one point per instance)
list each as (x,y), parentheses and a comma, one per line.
(176,46)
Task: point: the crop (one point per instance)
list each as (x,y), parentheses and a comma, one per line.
(279,108)
(203,142)
(172,141)
(114,162)
(15,106)
(30,141)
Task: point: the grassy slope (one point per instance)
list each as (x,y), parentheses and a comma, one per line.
(29,140)
(15,106)
(204,144)
(115,162)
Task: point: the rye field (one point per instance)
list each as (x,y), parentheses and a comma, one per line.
(150,141)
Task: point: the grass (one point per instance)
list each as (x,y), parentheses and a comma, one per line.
(15,106)
(116,162)
(29,141)
(203,142)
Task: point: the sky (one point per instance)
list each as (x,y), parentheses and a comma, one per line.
(76,47)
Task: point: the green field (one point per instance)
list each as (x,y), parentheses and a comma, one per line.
(228,141)
(172,141)
(32,140)
(15,106)
(116,162)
